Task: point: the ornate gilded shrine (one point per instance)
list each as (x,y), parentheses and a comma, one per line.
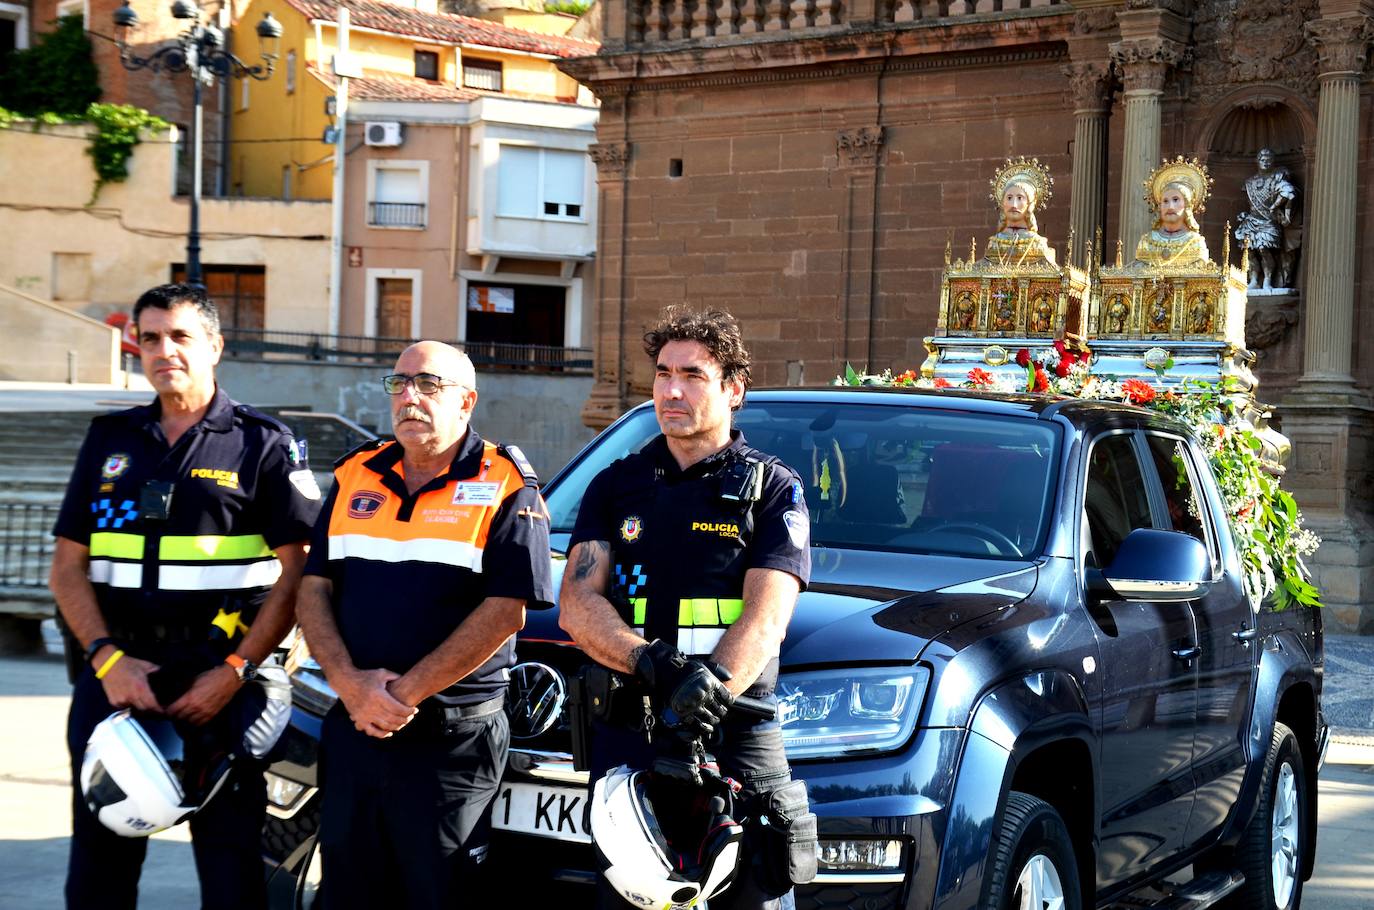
(1172,302)
(1016,292)
(1170,306)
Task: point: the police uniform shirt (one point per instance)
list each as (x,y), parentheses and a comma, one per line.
(239,488)
(408,569)
(679,552)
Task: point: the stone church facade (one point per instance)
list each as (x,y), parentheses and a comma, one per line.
(805,163)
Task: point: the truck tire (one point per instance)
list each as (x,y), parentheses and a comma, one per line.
(1033,866)
(1271,849)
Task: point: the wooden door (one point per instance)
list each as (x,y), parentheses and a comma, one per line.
(393,313)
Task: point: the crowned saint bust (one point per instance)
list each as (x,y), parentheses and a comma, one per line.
(1176,191)
(1019,188)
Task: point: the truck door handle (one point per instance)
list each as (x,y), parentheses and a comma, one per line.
(1245,636)
(1187,653)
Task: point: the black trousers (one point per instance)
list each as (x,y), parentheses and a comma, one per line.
(750,752)
(226,836)
(405,821)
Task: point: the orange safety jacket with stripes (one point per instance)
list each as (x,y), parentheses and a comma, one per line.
(407,569)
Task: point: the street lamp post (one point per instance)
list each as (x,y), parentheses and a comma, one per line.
(199,51)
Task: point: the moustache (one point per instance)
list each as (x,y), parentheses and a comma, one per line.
(412,413)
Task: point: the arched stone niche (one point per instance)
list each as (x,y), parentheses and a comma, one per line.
(1243,123)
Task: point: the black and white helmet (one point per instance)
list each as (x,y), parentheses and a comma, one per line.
(142,773)
(652,862)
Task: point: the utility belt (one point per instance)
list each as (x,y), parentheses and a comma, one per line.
(600,695)
(438,720)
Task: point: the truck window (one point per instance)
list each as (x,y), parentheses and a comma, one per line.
(1115,502)
(1180,493)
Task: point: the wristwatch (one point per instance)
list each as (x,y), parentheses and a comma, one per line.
(97,645)
(244,668)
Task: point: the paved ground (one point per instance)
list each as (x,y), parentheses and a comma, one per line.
(35,795)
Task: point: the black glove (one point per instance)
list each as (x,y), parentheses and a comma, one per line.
(690,695)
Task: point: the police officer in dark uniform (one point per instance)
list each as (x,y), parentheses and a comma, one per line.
(683,570)
(180,544)
(427,552)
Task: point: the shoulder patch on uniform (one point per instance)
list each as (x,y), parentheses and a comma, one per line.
(369,445)
(518,458)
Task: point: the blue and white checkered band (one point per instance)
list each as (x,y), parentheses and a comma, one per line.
(630,582)
(107,515)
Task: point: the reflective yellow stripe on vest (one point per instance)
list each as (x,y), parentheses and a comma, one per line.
(115,545)
(701,621)
(196,562)
(213,548)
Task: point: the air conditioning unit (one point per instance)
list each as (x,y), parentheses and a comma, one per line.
(386,134)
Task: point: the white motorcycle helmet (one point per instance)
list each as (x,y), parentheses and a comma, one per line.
(140,776)
(136,777)
(643,866)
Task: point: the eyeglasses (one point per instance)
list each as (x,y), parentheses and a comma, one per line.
(425,383)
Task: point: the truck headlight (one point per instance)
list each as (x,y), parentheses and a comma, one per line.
(827,713)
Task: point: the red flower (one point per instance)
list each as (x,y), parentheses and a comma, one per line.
(1023,357)
(1138,391)
(979,377)
(941,382)
(1061,369)
(1061,347)
(907,377)
(1085,356)
(1042,381)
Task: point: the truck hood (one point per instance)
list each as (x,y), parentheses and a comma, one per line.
(871,607)
(902,603)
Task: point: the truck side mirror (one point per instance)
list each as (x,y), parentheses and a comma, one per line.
(1156,566)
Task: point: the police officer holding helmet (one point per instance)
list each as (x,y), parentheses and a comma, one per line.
(180,544)
(683,570)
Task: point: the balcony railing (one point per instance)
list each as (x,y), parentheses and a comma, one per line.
(275,345)
(656,21)
(396,214)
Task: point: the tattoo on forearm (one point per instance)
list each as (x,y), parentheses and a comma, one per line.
(589,557)
(635,654)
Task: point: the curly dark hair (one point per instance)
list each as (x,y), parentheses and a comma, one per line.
(716,330)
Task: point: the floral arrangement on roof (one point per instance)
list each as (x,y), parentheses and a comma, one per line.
(1266,523)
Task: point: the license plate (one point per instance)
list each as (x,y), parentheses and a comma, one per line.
(544,811)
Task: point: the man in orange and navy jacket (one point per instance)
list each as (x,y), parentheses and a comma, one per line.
(424,558)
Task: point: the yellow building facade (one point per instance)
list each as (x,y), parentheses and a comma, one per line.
(278,125)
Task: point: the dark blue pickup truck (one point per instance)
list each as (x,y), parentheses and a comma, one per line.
(1026,674)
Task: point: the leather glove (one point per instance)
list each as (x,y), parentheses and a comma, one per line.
(691,696)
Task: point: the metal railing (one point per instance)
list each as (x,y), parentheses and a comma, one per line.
(396,214)
(26,544)
(241,342)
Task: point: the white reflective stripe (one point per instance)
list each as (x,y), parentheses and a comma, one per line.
(459,553)
(116,574)
(695,641)
(218,577)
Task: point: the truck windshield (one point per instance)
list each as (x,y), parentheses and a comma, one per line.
(879,477)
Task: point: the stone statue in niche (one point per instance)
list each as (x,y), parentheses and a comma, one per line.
(1177,192)
(1266,227)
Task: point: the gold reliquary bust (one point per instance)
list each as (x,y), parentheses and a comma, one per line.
(1172,290)
(1016,289)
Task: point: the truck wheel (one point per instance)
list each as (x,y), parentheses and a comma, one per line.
(1033,867)
(1271,849)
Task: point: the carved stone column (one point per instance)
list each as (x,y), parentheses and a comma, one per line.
(1342,45)
(858,153)
(608,398)
(1092,91)
(1144,64)
(1330,423)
